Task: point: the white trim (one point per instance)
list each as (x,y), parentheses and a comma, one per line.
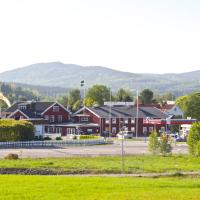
(16,112)
(87,109)
(54,105)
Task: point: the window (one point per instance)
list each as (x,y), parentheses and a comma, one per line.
(89,130)
(51,118)
(22,107)
(21,117)
(46,117)
(55,108)
(59,118)
(71,131)
(114,130)
(84,119)
(58,130)
(114,121)
(125,121)
(132,121)
(133,129)
(107,121)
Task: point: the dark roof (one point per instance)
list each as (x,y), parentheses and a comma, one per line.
(128,111)
(36,108)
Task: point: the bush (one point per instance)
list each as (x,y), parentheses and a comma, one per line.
(194,138)
(16,130)
(88,137)
(58,138)
(11,156)
(47,138)
(197,152)
(38,138)
(162,146)
(153,144)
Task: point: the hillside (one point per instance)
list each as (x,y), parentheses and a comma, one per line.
(69,76)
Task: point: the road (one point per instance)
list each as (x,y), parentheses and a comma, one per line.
(130,148)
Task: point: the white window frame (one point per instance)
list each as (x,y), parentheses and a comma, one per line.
(56,108)
(107,120)
(60,118)
(51,118)
(126,121)
(133,121)
(46,117)
(22,107)
(133,129)
(84,119)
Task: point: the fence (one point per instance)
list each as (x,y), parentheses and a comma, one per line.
(26,144)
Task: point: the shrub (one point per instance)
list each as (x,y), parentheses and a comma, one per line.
(16,130)
(47,138)
(88,137)
(164,144)
(11,156)
(58,138)
(38,138)
(153,144)
(197,152)
(194,138)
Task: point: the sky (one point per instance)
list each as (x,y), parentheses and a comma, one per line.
(139,36)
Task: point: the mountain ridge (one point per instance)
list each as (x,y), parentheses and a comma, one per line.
(63,75)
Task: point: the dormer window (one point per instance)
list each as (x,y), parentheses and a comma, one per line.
(84,119)
(55,108)
(22,107)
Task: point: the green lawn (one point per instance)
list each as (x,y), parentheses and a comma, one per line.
(133,164)
(15,187)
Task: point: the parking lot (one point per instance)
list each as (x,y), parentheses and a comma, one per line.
(130,148)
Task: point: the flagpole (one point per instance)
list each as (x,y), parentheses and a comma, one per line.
(137,114)
(110,110)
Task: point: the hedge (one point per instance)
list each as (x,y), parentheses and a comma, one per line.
(88,137)
(16,130)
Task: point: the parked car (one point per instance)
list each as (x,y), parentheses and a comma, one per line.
(125,134)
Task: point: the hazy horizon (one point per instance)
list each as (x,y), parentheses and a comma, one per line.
(131,35)
(96,66)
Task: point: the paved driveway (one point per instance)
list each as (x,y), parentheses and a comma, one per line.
(130,148)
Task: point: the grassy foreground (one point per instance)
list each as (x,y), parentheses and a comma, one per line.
(15,187)
(133,164)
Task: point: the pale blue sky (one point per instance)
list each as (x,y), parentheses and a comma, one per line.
(151,36)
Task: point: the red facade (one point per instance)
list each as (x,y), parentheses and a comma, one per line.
(18,115)
(54,115)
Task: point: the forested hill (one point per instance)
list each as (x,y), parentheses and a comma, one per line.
(69,76)
(14,93)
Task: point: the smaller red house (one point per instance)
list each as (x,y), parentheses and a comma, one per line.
(41,114)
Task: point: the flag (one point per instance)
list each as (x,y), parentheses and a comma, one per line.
(82,83)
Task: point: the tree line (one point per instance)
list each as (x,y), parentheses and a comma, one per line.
(98,94)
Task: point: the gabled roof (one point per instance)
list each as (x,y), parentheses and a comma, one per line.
(128,111)
(37,107)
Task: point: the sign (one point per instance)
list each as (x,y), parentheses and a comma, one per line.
(152,121)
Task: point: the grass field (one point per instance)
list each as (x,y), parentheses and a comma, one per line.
(15,187)
(133,164)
